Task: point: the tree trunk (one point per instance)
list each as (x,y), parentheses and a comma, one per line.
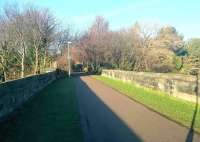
(44,62)
(22,62)
(4,78)
(182,62)
(36,61)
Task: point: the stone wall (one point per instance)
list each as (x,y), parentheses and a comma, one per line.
(182,86)
(14,93)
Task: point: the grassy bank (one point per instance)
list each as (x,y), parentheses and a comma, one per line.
(49,117)
(171,107)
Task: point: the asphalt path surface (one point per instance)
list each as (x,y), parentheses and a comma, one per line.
(108,116)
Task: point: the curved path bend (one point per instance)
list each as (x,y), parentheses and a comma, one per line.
(108,116)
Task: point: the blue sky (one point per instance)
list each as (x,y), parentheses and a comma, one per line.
(182,14)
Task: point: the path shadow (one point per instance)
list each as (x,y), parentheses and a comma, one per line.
(78,74)
(99,122)
(191,132)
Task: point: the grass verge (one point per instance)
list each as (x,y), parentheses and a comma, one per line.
(171,107)
(49,117)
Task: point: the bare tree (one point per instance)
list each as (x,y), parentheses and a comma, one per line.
(94,42)
(18,26)
(5,35)
(3,51)
(41,30)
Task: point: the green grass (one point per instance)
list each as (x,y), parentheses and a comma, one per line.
(49,117)
(171,107)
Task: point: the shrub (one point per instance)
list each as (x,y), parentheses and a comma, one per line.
(162,68)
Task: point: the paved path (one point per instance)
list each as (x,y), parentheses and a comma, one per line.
(108,116)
